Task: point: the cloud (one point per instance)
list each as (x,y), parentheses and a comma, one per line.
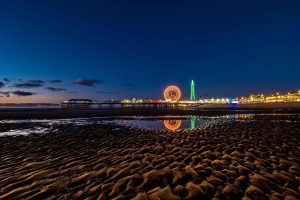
(22,93)
(88,82)
(2,84)
(55,81)
(16,93)
(6,79)
(73,92)
(36,81)
(27,85)
(30,84)
(7,94)
(53,89)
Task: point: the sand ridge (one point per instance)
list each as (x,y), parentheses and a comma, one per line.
(238,160)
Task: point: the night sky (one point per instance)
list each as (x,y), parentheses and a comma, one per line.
(55,50)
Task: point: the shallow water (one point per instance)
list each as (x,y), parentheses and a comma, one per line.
(169,123)
(172,123)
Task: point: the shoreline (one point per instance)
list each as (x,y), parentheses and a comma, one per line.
(86,113)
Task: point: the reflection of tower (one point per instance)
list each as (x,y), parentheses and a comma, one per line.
(193,122)
(192,97)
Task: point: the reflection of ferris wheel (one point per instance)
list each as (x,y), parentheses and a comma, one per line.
(172,124)
(172,93)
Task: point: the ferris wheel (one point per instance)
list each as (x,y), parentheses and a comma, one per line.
(172,93)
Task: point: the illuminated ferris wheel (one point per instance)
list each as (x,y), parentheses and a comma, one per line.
(172,93)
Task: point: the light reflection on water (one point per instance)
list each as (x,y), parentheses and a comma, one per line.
(169,123)
(28,131)
(181,122)
(172,124)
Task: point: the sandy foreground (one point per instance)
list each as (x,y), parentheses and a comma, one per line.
(257,159)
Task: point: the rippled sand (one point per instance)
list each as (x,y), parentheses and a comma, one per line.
(238,160)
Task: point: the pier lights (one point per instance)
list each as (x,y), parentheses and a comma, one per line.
(172,93)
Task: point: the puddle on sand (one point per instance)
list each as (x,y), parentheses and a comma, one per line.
(37,130)
(171,123)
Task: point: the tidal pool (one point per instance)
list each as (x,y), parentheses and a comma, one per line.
(170,123)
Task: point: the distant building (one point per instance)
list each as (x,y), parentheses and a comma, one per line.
(261,98)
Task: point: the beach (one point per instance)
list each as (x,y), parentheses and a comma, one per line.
(149,100)
(241,159)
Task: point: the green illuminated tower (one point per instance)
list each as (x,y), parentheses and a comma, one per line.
(192,97)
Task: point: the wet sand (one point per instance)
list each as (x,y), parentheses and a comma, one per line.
(237,160)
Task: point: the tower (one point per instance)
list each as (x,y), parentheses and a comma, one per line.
(192,97)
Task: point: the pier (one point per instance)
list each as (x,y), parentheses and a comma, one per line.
(120,104)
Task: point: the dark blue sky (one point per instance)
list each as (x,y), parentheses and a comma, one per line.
(136,48)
